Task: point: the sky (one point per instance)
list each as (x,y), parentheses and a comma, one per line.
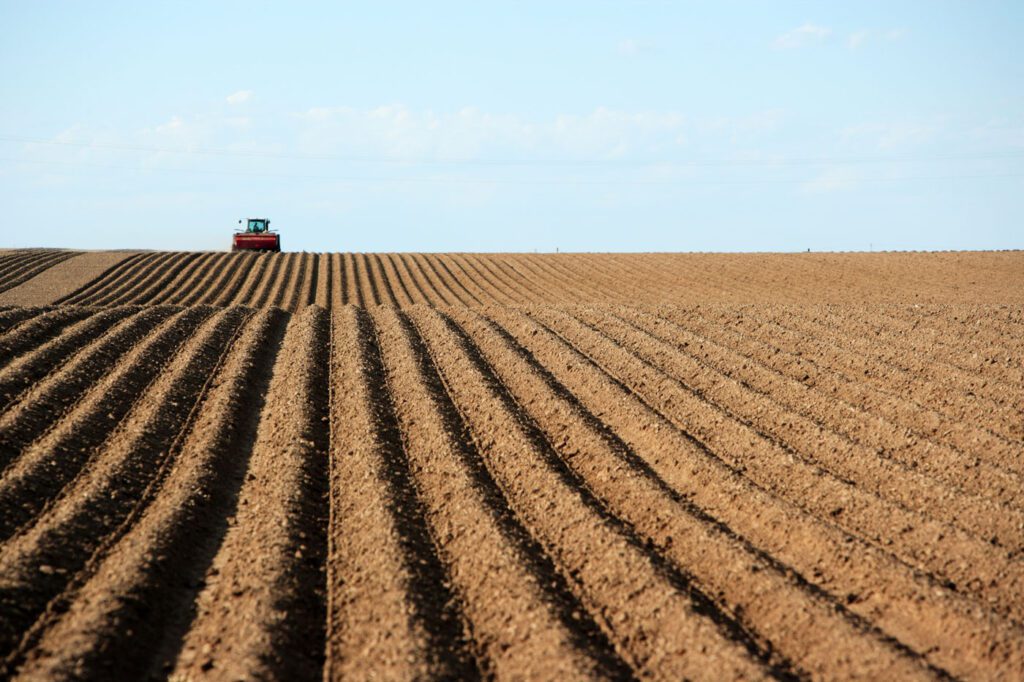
(514,126)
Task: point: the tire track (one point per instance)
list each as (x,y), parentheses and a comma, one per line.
(125,614)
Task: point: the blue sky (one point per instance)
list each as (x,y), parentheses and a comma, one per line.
(514,126)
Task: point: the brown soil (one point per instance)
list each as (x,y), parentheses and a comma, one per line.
(408,466)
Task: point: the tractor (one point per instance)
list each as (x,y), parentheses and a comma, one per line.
(256,237)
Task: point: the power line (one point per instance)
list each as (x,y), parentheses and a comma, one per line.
(791,161)
(502,181)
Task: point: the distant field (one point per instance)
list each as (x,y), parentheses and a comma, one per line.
(663,466)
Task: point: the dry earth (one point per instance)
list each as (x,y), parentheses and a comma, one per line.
(395,466)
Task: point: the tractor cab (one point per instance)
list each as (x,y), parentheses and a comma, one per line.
(257,225)
(256,237)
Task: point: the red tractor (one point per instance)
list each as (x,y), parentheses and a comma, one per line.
(256,237)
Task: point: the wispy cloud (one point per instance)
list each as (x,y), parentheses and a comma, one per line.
(862,37)
(239,97)
(802,36)
(396,131)
(893,135)
(631,47)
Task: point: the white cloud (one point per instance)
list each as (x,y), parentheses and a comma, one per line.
(888,136)
(239,97)
(631,47)
(397,132)
(802,36)
(859,38)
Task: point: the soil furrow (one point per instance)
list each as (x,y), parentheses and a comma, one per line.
(516,610)
(965,560)
(338,292)
(382,283)
(236,269)
(27,370)
(427,262)
(950,630)
(400,292)
(41,407)
(261,614)
(220,276)
(49,463)
(789,616)
(439,262)
(391,611)
(187,280)
(893,428)
(253,281)
(114,278)
(353,291)
(573,526)
(29,270)
(11,318)
(125,614)
(417,294)
(161,272)
(176,279)
(37,564)
(269,281)
(814,440)
(287,288)
(41,328)
(851,368)
(421,275)
(963,398)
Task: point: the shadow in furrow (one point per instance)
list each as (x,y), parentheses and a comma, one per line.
(777,666)
(642,468)
(573,615)
(434,605)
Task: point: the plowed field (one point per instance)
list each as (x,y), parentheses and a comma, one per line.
(395,466)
